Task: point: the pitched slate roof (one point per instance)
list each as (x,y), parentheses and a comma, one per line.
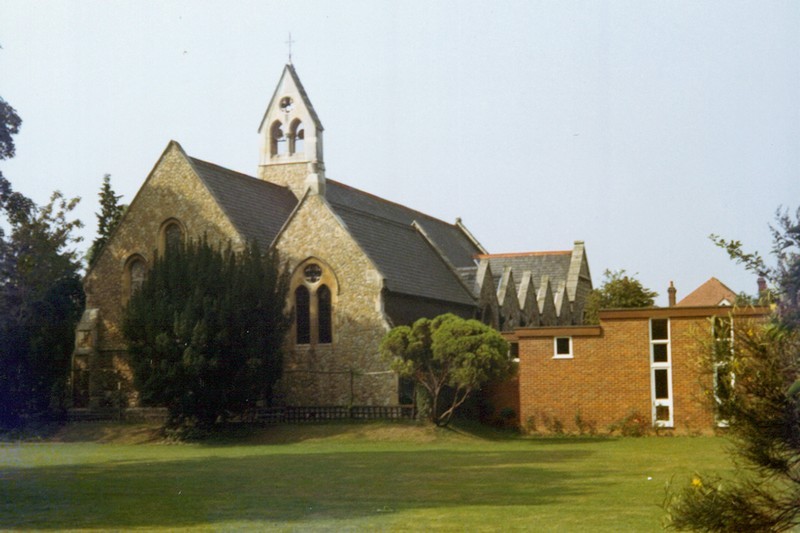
(256,208)
(454,243)
(409,262)
(555,265)
(712,292)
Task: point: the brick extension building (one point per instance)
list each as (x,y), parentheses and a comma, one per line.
(636,361)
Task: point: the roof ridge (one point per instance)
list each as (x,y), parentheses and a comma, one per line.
(523,254)
(384,200)
(367,214)
(235,173)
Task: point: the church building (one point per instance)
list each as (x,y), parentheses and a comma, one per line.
(359,264)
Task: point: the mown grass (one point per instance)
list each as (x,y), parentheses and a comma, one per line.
(356,477)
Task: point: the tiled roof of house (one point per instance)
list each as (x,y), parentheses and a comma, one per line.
(712,292)
(256,208)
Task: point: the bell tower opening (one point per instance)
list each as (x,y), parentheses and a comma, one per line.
(291,139)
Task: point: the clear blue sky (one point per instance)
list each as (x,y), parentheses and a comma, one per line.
(639,127)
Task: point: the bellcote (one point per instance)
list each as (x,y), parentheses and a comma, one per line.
(291,139)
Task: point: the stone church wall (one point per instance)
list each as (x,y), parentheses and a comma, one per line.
(173,191)
(320,374)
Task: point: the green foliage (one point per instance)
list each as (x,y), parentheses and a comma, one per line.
(764,420)
(9,126)
(205,331)
(762,408)
(634,424)
(447,351)
(41,298)
(619,290)
(108,218)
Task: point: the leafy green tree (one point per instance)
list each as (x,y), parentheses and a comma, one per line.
(619,290)
(108,218)
(9,126)
(205,331)
(41,298)
(762,408)
(447,352)
(41,295)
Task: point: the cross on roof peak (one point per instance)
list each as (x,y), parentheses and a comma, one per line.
(289,44)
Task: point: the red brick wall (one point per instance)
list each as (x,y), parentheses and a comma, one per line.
(608,377)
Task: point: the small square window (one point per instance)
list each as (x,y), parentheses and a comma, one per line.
(563,347)
(660,353)
(659,329)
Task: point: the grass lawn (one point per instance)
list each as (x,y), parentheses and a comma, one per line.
(356,477)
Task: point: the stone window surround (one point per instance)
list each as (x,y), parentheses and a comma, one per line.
(128,282)
(327,279)
(162,233)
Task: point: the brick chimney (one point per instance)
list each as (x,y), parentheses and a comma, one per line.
(672,291)
(762,285)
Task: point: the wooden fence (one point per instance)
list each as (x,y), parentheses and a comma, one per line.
(264,415)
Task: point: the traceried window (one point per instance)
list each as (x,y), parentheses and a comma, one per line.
(312,273)
(324,317)
(314,295)
(661,372)
(302,305)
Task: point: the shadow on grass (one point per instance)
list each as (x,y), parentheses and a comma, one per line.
(281,488)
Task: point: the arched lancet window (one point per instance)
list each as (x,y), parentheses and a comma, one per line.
(171,235)
(297,135)
(135,272)
(315,289)
(278,144)
(324,317)
(302,306)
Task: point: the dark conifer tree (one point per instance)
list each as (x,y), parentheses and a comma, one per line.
(205,331)
(108,218)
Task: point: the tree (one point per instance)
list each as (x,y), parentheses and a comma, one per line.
(618,291)
(762,408)
(447,351)
(41,298)
(108,218)
(9,126)
(205,331)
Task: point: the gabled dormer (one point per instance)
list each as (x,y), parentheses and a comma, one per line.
(291,138)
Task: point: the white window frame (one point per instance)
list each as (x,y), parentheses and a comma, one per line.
(722,422)
(661,365)
(557,355)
